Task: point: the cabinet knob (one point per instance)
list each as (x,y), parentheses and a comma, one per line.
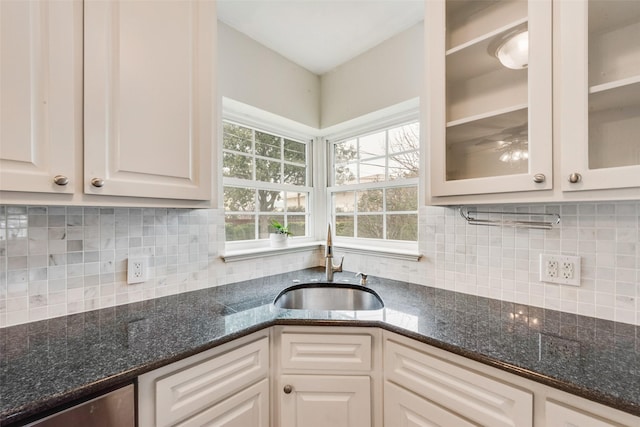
(538,178)
(60,180)
(97,182)
(287,389)
(575,177)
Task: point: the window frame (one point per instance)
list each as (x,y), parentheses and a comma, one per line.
(253,184)
(363,130)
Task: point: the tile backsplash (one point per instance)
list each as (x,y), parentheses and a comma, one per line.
(62,260)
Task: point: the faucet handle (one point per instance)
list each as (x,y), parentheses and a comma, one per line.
(363,278)
(338,269)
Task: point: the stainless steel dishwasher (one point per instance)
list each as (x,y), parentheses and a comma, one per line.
(113,409)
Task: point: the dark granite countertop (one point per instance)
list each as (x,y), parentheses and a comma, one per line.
(50,363)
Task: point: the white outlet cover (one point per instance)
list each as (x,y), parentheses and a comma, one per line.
(137,270)
(567,270)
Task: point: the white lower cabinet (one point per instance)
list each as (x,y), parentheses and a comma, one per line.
(462,396)
(327,377)
(352,377)
(325,400)
(224,386)
(427,386)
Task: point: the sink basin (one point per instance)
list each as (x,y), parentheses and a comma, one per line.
(328,296)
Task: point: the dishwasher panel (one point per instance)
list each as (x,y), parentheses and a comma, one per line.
(113,409)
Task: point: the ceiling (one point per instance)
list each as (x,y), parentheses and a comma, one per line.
(319,35)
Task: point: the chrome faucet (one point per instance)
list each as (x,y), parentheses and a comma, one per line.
(328,259)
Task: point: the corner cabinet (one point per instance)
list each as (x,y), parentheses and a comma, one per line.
(108,98)
(489,127)
(600,94)
(327,377)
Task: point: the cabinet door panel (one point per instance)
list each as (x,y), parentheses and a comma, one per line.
(248,408)
(489,126)
(561,416)
(189,391)
(599,94)
(149,117)
(38,81)
(405,409)
(480,398)
(321,401)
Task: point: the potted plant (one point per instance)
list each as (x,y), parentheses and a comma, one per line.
(278,238)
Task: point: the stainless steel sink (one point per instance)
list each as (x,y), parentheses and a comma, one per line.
(328,296)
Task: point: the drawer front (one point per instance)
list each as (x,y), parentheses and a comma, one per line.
(197,387)
(326,352)
(480,399)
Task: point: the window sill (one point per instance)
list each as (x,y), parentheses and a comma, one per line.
(247,254)
(404,255)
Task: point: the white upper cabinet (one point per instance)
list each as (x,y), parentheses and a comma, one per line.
(149,116)
(489,121)
(108,98)
(38,86)
(600,94)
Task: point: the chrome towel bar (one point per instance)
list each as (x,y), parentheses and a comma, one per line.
(471,216)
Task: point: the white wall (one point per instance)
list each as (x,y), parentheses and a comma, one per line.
(255,75)
(388,74)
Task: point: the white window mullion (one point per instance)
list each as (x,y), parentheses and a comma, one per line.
(254,171)
(256,213)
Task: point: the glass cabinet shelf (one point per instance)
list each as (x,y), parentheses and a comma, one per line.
(618,94)
(474,58)
(468,20)
(497,145)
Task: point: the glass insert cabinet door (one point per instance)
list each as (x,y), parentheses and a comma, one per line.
(600,94)
(489,96)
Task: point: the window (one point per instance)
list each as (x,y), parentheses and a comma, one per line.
(265,177)
(374,189)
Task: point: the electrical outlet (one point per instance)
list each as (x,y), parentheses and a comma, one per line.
(551,268)
(566,270)
(137,270)
(561,269)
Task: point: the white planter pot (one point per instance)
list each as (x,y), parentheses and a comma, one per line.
(278,240)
